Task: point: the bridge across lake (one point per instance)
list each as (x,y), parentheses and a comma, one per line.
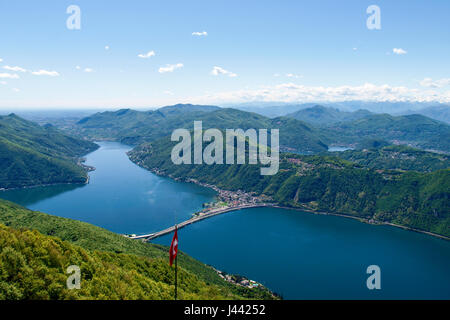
(212,213)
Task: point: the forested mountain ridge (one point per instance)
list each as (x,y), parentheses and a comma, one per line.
(33,263)
(326,115)
(135,127)
(32,155)
(396,158)
(414,130)
(45,139)
(324,183)
(439,112)
(339,128)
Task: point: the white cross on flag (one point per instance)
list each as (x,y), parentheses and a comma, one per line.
(173,248)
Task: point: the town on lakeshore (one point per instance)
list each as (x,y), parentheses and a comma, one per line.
(227,199)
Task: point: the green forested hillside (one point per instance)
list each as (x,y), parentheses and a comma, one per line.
(135,127)
(32,264)
(415,130)
(33,155)
(326,126)
(324,183)
(396,158)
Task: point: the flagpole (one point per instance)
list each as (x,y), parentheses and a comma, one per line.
(176,271)
(176,275)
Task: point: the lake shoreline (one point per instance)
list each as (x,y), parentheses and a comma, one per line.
(80,163)
(47,185)
(360,219)
(363,220)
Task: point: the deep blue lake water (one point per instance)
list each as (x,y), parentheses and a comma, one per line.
(121,196)
(297,254)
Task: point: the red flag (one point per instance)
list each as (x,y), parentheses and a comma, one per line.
(173,247)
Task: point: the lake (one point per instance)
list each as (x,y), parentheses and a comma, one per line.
(120,196)
(297,254)
(339,149)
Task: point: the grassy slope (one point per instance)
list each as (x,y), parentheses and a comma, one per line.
(100,243)
(32,266)
(32,155)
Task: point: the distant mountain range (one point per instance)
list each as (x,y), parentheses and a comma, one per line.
(414,130)
(272,110)
(32,155)
(135,127)
(326,115)
(441,113)
(396,158)
(382,107)
(309,130)
(275,109)
(186,108)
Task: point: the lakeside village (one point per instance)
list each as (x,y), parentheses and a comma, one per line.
(229,199)
(238,280)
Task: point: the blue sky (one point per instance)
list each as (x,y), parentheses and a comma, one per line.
(292,51)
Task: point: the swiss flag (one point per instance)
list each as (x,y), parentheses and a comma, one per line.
(173,247)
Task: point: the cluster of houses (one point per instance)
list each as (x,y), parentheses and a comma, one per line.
(232,198)
(238,280)
(238,198)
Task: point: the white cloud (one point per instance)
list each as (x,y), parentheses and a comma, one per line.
(3,82)
(106,47)
(289,75)
(290,92)
(45,73)
(354,49)
(170,93)
(1,59)
(88,70)
(399,51)
(15,89)
(170,68)
(218,70)
(146,55)
(200,34)
(15,69)
(9,75)
(430,83)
